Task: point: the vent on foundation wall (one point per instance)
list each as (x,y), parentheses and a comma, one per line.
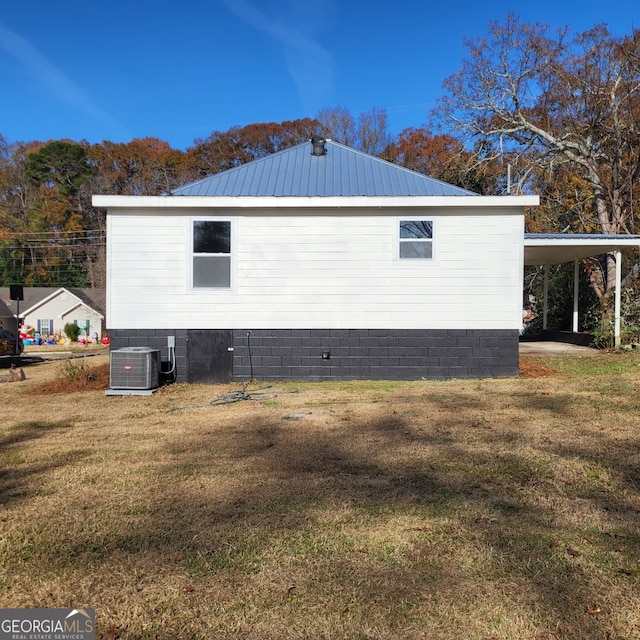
(134,368)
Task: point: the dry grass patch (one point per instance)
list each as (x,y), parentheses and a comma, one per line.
(389,510)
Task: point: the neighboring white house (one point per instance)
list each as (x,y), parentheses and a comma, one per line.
(47,309)
(319,262)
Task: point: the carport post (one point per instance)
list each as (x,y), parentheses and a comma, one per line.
(545,307)
(576,287)
(616,327)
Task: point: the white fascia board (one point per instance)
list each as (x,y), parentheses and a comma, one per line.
(324,202)
(538,251)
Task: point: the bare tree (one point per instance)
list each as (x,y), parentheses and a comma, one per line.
(369,133)
(373,136)
(557,104)
(338,124)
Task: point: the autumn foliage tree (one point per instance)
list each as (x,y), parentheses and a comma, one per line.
(143,167)
(444,157)
(44,195)
(227,149)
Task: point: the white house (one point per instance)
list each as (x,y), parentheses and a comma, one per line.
(319,262)
(48,309)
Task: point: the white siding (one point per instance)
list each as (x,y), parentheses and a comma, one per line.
(319,271)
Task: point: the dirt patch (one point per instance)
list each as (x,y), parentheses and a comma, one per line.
(529,368)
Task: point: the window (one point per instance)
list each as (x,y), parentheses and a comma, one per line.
(416,240)
(211,254)
(45,327)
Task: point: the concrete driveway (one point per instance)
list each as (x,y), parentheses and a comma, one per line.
(550,348)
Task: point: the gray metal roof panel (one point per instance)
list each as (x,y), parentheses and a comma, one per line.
(342,171)
(581,236)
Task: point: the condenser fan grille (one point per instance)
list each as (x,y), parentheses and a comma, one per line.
(134,368)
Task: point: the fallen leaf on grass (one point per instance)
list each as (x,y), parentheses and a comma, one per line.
(113,633)
(595,610)
(627,572)
(187,588)
(485,520)
(573,552)
(290,589)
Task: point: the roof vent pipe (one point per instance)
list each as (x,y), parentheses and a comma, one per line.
(318,146)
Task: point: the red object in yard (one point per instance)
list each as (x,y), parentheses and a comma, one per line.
(105,341)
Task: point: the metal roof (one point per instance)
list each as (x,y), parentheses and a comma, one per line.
(556,248)
(340,171)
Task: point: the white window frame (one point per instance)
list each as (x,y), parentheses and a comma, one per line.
(431,241)
(229,255)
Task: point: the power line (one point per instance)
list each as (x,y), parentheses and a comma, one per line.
(58,245)
(78,233)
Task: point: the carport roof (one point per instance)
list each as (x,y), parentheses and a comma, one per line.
(545,248)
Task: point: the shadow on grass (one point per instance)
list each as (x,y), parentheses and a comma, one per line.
(19,361)
(22,482)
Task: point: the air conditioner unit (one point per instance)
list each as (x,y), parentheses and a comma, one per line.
(134,368)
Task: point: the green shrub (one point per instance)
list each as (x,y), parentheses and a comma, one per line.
(72,331)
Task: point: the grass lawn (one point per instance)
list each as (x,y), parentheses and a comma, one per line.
(475,509)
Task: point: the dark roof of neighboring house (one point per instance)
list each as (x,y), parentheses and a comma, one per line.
(5,312)
(94,298)
(339,171)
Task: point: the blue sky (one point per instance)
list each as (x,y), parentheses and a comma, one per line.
(180,70)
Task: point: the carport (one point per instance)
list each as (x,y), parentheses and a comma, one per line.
(541,249)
